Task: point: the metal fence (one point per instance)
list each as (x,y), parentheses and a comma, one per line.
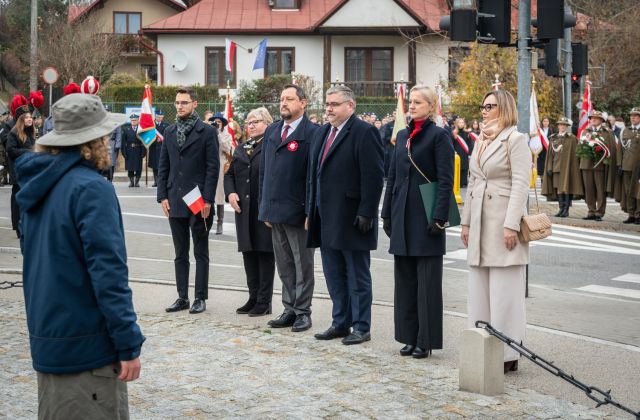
(240,110)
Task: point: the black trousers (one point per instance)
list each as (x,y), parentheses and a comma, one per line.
(15,210)
(418,301)
(260,268)
(180,227)
(137,174)
(464,174)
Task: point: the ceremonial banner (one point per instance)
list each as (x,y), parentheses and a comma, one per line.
(147,128)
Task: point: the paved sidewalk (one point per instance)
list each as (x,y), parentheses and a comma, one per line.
(200,367)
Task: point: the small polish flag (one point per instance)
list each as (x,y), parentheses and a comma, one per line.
(230,52)
(194,200)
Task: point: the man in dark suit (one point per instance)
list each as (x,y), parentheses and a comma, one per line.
(283,173)
(133,150)
(189,157)
(344,186)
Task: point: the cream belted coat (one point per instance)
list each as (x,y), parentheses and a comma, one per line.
(497,199)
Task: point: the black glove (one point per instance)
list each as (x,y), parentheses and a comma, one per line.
(620,171)
(386,225)
(550,172)
(364,224)
(436,227)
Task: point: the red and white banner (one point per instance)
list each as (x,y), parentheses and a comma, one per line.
(228,115)
(586,109)
(440,122)
(538,140)
(473,136)
(230,53)
(461,143)
(194,200)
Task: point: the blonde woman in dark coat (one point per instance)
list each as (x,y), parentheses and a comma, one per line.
(500,169)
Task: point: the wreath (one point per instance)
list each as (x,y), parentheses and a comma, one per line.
(592,146)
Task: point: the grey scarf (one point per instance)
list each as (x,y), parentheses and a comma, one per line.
(184,127)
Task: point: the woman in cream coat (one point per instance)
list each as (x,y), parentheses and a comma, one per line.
(500,169)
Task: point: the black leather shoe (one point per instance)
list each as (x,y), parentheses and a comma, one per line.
(407,350)
(356,337)
(592,217)
(302,323)
(332,333)
(179,305)
(629,220)
(244,309)
(283,321)
(637,222)
(260,309)
(420,353)
(198,306)
(598,219)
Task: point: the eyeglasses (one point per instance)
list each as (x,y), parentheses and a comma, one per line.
(182,103)
(488,107)
(333,104)
(254,122)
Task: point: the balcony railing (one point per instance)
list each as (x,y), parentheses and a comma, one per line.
(372,88)
(130,44)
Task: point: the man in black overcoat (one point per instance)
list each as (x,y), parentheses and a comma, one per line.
(189,158)
(344,186)
(283,172)
(133,151)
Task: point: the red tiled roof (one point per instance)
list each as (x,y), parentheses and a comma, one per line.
(234,16)
(77,11)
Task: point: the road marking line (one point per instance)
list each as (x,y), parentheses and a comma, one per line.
(165,235)
(629,278)
(598,238)
(171,261)
(595,231)
(153,216)
(138,196)
(606,290)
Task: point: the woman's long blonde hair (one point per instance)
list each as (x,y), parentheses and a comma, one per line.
(507,108)
(95,151)
(21,129)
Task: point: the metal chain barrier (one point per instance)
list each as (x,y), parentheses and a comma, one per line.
(596,394)
(9,284)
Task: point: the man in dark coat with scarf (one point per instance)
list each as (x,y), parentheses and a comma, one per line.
(188,159)
(344,186)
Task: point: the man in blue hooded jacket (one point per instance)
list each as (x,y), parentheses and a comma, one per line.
(85,342)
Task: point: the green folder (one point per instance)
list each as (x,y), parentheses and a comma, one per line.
(429,193)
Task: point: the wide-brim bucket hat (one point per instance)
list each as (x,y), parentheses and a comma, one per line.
(79,118)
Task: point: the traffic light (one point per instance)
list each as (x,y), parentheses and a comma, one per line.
(494,21)
(575,83)
(551,63)
(579,58)
(550,19)
(461,24)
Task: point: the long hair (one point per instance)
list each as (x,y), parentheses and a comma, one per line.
(507,109)
(95,151)
(21,129)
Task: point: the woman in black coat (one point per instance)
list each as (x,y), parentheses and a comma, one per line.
(20,140)
(241,183)
(417,244)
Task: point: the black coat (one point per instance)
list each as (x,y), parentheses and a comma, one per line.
(17,148)
(132,149)
(349,183)
(182,168)
(243,178)
(432,151)
(283,172)
(156,146)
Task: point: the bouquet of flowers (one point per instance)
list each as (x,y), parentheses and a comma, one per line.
(592,146)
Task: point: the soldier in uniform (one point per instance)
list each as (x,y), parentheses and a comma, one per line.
(154,148)
(630,141)
(561,178)
(594,174)
(133,151)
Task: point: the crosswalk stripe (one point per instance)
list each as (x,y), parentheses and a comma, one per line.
(629,278)
(596,231)
(606,290)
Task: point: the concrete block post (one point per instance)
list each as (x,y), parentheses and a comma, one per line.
(481,368)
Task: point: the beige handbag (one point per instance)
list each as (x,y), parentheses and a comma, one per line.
(533,227)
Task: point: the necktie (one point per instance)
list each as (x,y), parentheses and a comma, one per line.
(285,133)
(328,144)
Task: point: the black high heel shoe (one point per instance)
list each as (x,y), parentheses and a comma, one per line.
(244,309)
(407,350)
(420,353)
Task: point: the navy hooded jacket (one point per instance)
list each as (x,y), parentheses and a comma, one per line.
(79,308)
